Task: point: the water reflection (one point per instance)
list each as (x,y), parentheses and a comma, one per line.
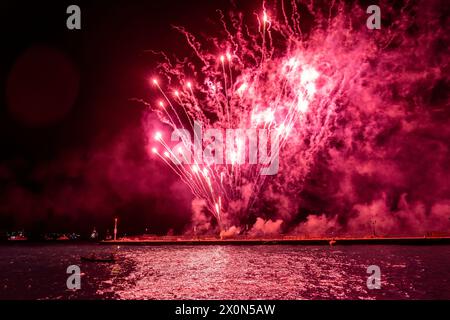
(227,272)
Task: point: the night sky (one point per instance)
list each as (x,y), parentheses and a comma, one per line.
(73,152)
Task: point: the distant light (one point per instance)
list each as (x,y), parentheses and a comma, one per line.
(158,135)
(154,150)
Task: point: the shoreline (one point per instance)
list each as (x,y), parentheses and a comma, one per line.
(283,241)
(208,241)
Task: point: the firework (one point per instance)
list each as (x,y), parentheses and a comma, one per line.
(264,75)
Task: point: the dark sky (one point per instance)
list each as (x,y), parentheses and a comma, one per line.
(72,150)
(65,105)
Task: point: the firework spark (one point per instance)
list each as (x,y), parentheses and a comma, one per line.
(249,85)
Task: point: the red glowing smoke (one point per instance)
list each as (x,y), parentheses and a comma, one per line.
(362,116)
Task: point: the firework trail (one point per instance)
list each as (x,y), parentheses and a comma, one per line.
(275,72)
